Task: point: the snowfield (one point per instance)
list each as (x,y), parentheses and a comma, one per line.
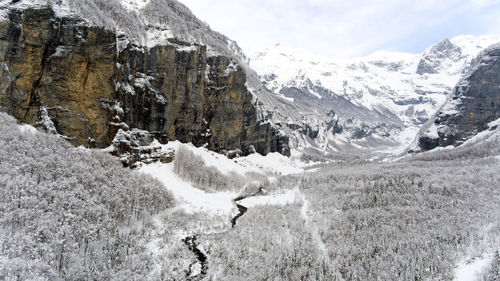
(188,198)
(194,200)
(473,269)
(271,163)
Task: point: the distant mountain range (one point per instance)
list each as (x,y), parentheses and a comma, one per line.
(88,69)
(379,101)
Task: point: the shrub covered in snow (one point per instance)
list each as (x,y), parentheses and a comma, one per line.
(192,167)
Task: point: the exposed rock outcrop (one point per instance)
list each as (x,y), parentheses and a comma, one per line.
(136,145)
(63,74)
(432,60)
(474,104)
(59,67)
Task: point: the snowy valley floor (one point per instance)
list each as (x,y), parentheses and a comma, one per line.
(408,220)
(429,217)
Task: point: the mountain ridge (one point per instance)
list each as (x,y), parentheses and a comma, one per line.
(308,102)
(411,87)
(472,108)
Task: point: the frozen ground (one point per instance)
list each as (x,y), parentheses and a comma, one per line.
(189,198)
(473,269)
(288,197)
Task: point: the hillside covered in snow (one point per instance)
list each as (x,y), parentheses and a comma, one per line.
(75,214)
(296,99)
(378,101)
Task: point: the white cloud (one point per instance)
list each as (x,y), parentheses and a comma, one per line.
(347,28)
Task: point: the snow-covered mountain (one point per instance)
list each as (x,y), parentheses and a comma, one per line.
(386,96)
(378,102)
(140,22)
(474,106)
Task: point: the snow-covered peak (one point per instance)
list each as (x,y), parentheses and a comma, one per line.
(444,49)
(283,66)
(439,57)
(410,86)
(453,55)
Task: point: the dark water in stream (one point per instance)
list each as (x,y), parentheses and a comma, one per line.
(192,245)
(242,210)
(201,258)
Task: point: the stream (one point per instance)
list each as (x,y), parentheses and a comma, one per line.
(242,210)
(192,244)
(201,258)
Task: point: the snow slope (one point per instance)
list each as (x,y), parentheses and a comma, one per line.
(272,163)
(189,198)
(409,86)
(194,200)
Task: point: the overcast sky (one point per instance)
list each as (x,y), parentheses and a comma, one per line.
(347,28)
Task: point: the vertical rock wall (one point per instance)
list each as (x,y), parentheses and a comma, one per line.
(70,78)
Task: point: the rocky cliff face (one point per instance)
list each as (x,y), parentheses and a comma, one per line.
(74,79)
(474,104)
(59,74)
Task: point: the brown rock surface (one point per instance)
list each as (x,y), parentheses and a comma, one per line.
(68,77)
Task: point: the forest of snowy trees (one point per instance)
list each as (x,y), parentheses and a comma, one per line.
(152,20)
(413,219)
(192,168)
(410,220)
(67,213)
(76,214)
